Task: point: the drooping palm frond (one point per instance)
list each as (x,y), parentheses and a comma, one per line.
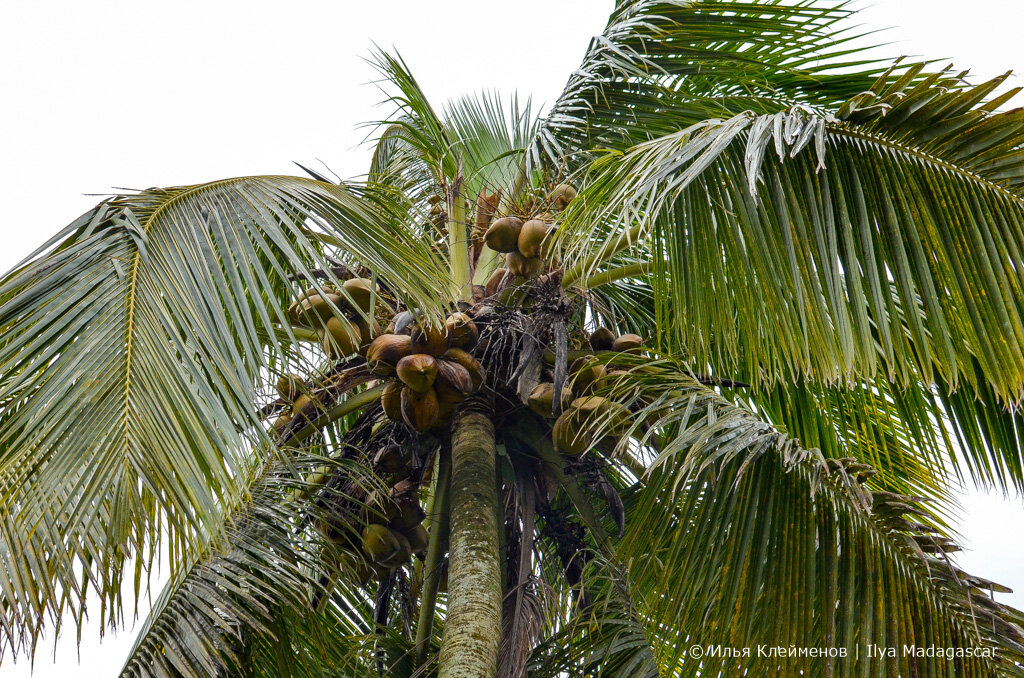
(750,539)
(661,65)
(131,346)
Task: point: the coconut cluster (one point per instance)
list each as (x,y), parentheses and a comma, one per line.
(432,368)
(581,410)
(380,532)
(342,318)
(525,244)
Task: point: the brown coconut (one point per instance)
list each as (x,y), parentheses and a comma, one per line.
(430,339)
(494,282)
(503,234)
(419,410)
(627,342)
(561,195)
(602,339)
(453,382)
(391,400)
(417,371)
(385,351)
(462,330)
(472,365)
(532,237)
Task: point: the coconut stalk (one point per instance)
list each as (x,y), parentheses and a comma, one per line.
(435,552)
(472,633)
(458,241)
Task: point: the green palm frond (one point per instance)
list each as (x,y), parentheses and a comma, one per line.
(130,349)
(862,258)
(750,538)
(661,65)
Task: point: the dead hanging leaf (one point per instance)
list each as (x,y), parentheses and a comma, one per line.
(486,208)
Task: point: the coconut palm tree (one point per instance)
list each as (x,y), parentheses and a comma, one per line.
(678,379)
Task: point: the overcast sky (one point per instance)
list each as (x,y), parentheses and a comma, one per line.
(96,94)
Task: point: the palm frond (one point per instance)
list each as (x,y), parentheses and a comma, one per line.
(130,352)
(664,64)
(755,540)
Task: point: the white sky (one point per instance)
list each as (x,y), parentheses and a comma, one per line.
(99,94)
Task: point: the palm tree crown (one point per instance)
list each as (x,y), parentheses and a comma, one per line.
(697,359)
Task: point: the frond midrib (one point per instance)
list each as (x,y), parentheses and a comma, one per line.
(887,142)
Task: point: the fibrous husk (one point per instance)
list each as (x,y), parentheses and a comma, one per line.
(385,351)
(491,287)
(290,386)
(462,330)
(602,339)
(340,338)
(419,539)
(453,382)
(472,365)
(517,264)
(627,342)
(419,410)
(391,400)
(361,290)
(417,371)
(561,195)
(503,234)
(532,237)
(430,339)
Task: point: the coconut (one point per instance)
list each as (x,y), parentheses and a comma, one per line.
(391,400)
(453,382)
(541,399)
(472,365)
(391,459)
(568,438)
(368,331)
(419,539)
(385,546)
(407,515)
(299,405)
(586,372)
(627,342)
(503,234)
(313,306)
(491,287)
(430,339)
(361,291)
(385,351)
(561,195)
(602,339)
(462,330)
(417,371)
(532,237)
(290,386)
(527,267)
(340,338)
(419,410)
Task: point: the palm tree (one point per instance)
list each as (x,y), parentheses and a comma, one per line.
(717,392)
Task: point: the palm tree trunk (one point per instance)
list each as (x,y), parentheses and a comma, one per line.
(472,631)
